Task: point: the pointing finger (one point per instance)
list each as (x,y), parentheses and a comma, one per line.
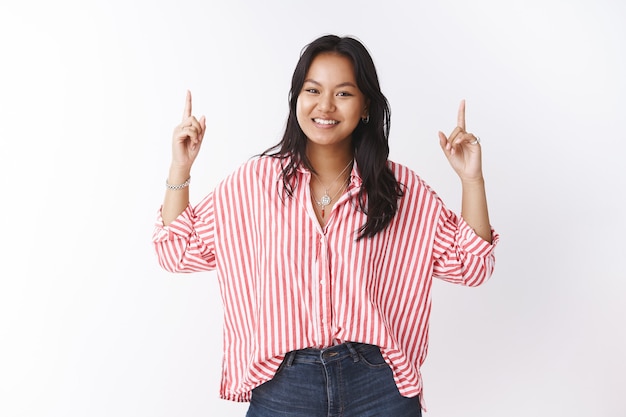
(187,111)
(460,121)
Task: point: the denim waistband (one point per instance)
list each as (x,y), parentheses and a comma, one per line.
(330,354)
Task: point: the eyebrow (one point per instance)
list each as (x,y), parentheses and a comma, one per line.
(346,84)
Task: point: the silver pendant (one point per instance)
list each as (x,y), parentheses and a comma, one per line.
(325,200)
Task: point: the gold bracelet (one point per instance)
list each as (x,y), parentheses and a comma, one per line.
(179,186)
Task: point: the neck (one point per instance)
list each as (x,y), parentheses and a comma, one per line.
(328,163)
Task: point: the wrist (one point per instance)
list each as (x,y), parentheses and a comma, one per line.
(473,182)
(177,186)
(178,175)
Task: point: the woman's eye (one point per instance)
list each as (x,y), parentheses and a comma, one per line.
(344,94)
(311,90)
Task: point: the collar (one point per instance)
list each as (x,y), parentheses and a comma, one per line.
(355,176)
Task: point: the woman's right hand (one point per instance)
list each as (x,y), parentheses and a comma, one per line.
(186,142)
(187,139)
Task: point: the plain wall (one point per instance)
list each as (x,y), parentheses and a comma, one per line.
(90,93)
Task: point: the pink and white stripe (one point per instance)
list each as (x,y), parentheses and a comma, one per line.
(287,283)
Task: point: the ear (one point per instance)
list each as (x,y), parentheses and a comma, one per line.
(366,110)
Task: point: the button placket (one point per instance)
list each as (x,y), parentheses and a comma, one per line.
(324,291)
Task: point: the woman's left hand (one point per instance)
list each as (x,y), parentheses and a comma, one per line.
(463,149)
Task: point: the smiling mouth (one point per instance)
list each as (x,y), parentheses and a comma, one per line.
(325,121)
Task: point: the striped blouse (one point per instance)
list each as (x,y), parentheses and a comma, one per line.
(287,283)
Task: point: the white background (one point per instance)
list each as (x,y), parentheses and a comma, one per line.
(91,91)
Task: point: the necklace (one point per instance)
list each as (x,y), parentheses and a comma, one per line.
(326,198)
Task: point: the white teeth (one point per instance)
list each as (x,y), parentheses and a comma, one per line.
(325,122)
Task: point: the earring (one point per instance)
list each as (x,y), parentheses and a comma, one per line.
(366,120)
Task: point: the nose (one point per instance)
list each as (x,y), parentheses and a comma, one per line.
(326,103)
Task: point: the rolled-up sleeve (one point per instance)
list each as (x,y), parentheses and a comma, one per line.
(188,243)
(460,255)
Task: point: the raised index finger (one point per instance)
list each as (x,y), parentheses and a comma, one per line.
(187,111)
(460,120)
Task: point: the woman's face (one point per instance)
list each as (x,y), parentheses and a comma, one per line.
(330,105)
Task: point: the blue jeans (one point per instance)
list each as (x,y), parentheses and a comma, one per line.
(348,380)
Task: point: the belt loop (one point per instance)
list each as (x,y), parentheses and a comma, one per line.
(290,357)
(353,352)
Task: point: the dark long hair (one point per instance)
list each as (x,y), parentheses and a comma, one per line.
(378,197)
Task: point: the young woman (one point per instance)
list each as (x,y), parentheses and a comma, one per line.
(325,249)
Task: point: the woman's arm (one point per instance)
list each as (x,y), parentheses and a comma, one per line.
(186,142)
(464,154)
